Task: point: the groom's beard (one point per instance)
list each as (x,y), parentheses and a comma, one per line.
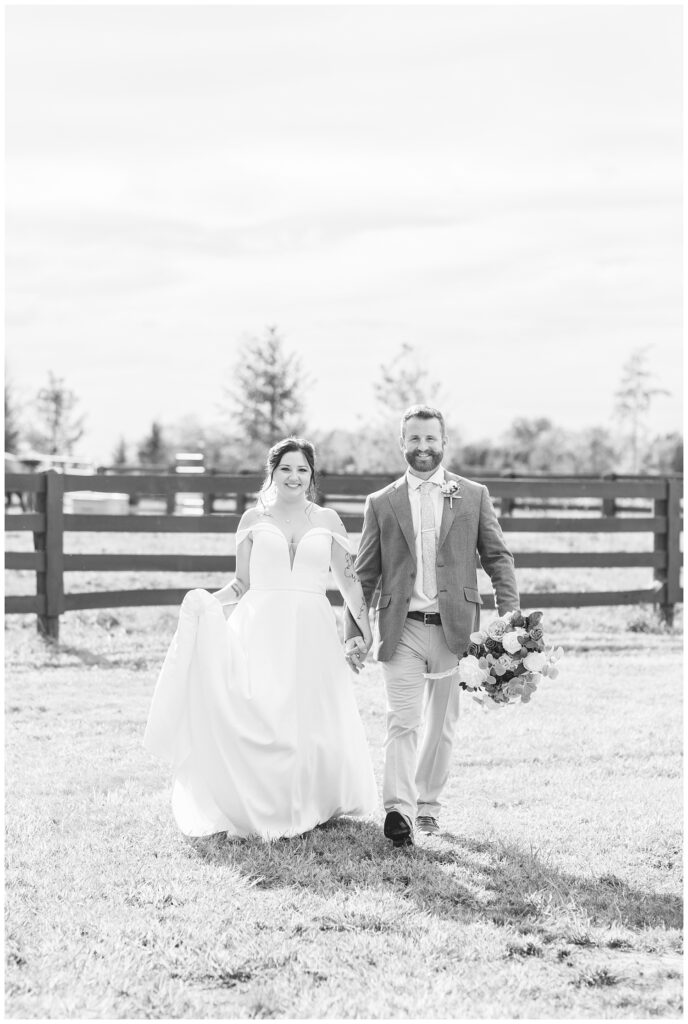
(423,465)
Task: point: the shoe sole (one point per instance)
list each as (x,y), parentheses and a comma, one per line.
(405,841)
(401,834)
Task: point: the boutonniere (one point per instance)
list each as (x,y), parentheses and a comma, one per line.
(450,489)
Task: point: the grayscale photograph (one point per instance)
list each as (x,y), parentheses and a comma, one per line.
(343,511)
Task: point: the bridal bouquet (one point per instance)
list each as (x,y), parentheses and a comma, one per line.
(505,662)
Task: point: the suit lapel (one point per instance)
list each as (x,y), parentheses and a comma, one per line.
(401,505)
(449,511)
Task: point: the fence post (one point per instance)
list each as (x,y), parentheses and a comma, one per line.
(671,543)
(50,583)
(662,542)
(208,498)
(171,502)
(609,504)
(507,504)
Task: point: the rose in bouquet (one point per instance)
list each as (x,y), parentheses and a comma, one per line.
(505,661)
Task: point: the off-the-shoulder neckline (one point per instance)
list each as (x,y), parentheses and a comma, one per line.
(311,529)
(340,538)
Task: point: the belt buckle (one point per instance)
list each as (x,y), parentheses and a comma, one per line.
(427,617)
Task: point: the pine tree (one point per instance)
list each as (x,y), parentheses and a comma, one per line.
(12,428)
(119,456)
(58,425)
(267,390)
(153,450)
(634,397)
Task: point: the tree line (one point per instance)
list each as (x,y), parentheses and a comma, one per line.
(267,399)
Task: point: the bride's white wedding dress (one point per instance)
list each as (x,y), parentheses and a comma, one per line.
(257,713)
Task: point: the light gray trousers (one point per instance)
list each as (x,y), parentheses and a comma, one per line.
(413,780)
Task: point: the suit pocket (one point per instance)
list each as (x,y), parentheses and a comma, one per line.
(472,594)
(383,601)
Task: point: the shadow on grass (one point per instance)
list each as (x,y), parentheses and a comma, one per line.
(47,653)
(132,660)
(451,877)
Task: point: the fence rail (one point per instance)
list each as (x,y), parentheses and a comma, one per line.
(661,496)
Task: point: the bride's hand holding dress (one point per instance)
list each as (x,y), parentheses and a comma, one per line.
(230,595)
(257,713)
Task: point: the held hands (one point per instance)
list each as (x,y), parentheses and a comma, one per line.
(355,652)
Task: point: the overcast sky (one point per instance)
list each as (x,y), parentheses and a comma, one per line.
(498,186)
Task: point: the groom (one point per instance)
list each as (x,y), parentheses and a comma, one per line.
(418,553)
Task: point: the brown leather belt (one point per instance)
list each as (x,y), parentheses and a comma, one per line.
(429,618)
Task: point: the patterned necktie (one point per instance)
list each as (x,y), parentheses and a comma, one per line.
(428,539)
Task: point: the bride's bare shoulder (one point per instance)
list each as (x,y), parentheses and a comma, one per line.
(250,517)
(328,518)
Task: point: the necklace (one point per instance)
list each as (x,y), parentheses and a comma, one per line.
(283,517)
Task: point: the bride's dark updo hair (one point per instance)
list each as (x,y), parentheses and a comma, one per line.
(275,456)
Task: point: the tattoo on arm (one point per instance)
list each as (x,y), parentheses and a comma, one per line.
(349,570)
(360,614)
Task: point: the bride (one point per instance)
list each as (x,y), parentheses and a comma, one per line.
(254,706)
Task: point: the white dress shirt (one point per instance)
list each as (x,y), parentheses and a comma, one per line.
(419,601)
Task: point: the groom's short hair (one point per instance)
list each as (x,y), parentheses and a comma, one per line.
(423,412)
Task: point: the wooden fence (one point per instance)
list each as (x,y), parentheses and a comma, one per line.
(640,505)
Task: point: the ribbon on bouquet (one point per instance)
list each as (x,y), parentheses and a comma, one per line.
(441,675)
(486,703)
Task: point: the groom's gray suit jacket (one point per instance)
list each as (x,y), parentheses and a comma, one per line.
(386,563)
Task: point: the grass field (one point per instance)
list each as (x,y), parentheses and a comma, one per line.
(554,890)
